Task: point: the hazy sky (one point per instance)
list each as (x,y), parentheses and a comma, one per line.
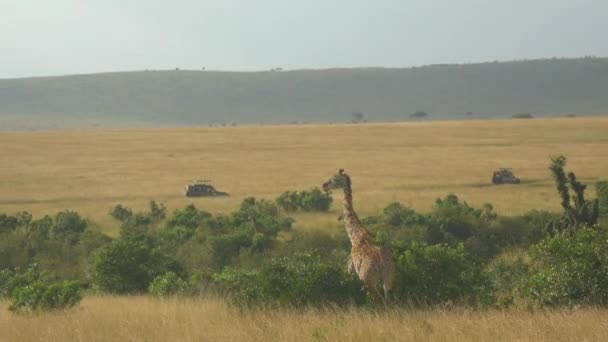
(53,37)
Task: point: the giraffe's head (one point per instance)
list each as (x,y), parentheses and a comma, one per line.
(338,181)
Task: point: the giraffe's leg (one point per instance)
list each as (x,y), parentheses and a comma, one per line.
(387,285)
(387,290)
(372,287)
(350,266)
(378,298)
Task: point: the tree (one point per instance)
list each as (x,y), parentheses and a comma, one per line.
(577,211)
(419,114)
(357,116)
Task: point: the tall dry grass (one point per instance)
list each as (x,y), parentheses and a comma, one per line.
(90,171)
(148,319)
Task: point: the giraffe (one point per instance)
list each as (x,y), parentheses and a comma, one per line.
(372,264)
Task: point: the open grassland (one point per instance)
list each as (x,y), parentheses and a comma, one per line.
(90,171)
(148,319)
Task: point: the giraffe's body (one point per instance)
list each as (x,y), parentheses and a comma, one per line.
(373,265)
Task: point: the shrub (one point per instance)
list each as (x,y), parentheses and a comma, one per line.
(508,278)
(39,296)
(455,221)
(428,275)
(311,200)
(121,213)
(289,201)
(41,228)
(543,223)
(128,266)
(224,248)
(189,217)
(396,215)
(68,227)
(602,196)
(578,212)
(260,216)
(318,242)
(8,223)
(168,284)
(570,269)
(298,281)
(12,279)
(315,200)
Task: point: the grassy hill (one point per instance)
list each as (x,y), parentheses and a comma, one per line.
(487,90)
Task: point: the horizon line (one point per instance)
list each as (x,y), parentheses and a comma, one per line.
(281,69)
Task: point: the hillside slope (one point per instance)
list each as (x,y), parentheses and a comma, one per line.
(540,87)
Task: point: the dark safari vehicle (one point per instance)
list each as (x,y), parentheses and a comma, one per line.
(202,188)
(504,176)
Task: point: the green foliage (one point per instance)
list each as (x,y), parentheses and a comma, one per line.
(395,214)
(189,217)
(601,188)
(319,243)
(39,296)
(136,225)
(11,279)
(298,281)
(570,268)
(311,200)
(7,223)
(578,212)
(168,284)
(428,275)
(289,201)
(508,278)
(121,213)
(128,266)
(67,227)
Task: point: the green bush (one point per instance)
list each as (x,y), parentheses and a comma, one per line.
(121,213)
(508,278)
(429,275)
(311,200)
(601,189)
(315,200)
(318,242)
(289,201)
(189,217)
(298,281)
(68,227)
(128,266)
(168,284)
(395,214)
(8,223)
(578,212)
(11,279)
(570,269)
(39,296)
(455,221)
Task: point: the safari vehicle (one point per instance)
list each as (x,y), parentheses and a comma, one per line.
(202,188)
(504,176)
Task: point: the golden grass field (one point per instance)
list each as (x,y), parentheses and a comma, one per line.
(148,319)
(89,171)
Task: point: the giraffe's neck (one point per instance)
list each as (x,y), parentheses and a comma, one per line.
(356,232)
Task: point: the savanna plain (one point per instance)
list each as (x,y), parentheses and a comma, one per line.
(90,171)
